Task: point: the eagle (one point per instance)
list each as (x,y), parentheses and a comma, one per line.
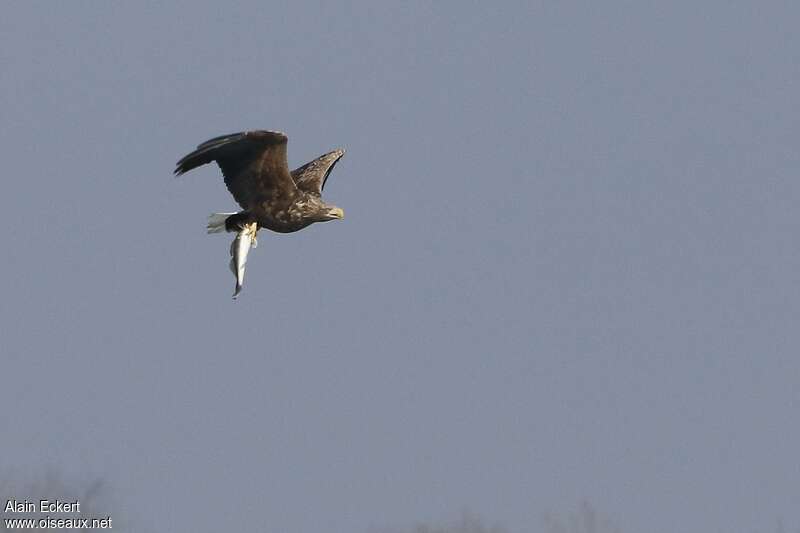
(256,172)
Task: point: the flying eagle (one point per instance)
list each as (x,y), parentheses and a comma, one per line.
(256,173)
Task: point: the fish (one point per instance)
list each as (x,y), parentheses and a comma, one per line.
(240,247)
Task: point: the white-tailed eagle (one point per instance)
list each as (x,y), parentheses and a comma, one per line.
(256,173)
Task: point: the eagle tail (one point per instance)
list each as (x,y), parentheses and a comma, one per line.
(216,222)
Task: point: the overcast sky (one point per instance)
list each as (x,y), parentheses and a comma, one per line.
(568,268)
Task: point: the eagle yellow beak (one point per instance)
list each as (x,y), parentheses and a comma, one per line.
(336,212)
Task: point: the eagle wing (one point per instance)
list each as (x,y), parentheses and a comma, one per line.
(252,162)
(311,177)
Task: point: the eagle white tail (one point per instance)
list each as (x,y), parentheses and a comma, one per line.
(216,222)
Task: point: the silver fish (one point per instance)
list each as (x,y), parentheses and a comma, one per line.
(240,247)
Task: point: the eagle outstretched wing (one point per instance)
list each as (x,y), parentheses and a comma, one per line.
(311,177)
(252,162)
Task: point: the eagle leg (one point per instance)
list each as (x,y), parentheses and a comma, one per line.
(238,222)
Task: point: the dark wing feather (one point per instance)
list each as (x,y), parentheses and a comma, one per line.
(311,177)
(253,164)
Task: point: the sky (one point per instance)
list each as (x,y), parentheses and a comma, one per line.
(568,269)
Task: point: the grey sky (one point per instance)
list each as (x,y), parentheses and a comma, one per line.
(568,267)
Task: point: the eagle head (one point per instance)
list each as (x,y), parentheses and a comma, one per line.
(319,211)
(331,212)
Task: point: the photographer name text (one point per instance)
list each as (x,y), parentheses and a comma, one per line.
(43,506)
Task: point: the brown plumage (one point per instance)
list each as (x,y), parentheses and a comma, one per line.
(256,173)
